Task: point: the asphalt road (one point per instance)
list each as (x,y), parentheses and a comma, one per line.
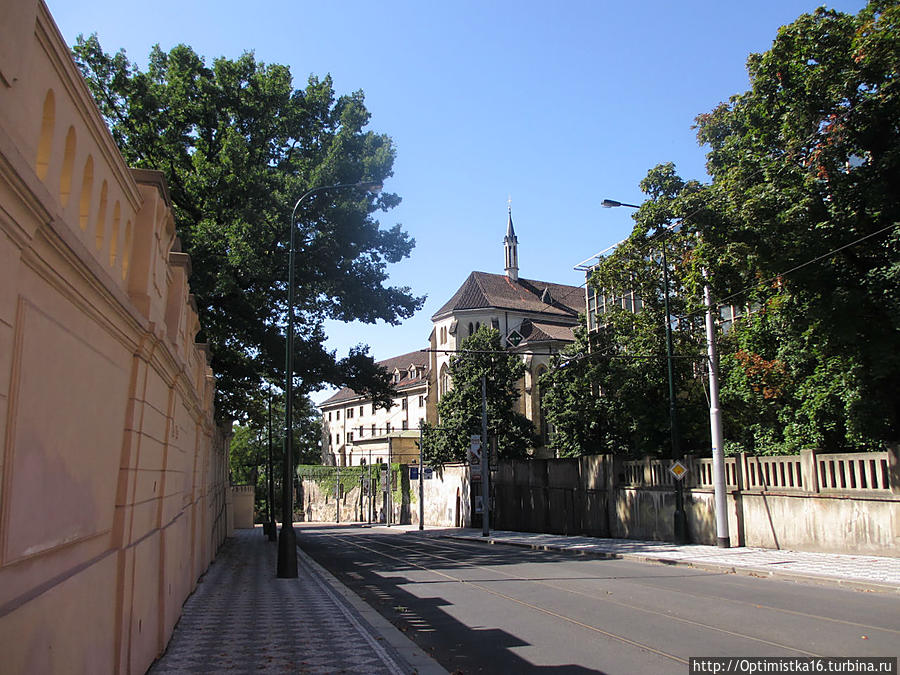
(478,608)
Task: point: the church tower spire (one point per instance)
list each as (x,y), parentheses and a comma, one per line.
(510,247)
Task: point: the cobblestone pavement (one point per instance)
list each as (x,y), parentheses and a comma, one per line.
(242,618)
(865,572)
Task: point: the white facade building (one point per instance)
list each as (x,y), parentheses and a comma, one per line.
(534,318)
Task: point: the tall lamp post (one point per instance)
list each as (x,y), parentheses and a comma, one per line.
(271,528)
(680,521)
(287,538)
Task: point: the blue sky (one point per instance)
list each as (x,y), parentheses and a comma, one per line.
(555,106)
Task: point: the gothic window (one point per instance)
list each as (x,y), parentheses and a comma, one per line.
(546,427)
(444,382)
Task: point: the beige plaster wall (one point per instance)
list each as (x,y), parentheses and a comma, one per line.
(243,498)
(112,471)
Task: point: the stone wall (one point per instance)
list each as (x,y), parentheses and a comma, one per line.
(113,474)
(448,500)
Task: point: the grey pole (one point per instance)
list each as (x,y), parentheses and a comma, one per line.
(421,483)
(272,528)
(337,495)
(286,566)
(679,524)
(715,424)
(387,486)
(485,464)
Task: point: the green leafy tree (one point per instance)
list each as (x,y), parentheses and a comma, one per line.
(800,224)
(620,379)
(805,168)
(238,145)
(250,446)
(459,410)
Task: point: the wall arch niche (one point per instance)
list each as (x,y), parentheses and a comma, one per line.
(65,178)
(100,227)
(45,143)
(87,186)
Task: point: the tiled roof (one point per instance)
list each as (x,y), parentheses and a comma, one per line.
(483,290)
(401,363)
(540,331)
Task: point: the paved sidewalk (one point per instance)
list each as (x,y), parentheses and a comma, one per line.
(862,572)
(242,618)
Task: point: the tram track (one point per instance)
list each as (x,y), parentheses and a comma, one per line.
(639,581)
(481,586)
(515,609)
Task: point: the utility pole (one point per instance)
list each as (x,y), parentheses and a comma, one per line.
(485,464)
(715,424)
(421,483)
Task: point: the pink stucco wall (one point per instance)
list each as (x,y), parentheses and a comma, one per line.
(112,470)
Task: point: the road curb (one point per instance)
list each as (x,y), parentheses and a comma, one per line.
(759,572)
(421,663)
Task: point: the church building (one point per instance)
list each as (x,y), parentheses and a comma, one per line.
(535,319)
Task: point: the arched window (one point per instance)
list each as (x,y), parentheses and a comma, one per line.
(471,329)
(444,381)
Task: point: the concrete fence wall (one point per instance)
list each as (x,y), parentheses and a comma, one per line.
(113,473)
(838,503)
(848,503)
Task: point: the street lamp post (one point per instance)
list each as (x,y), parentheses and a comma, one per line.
(287,538)
(680,520)
(271,528)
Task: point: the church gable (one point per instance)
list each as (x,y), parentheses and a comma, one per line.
(482,290)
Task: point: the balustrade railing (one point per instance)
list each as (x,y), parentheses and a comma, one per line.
(849,473)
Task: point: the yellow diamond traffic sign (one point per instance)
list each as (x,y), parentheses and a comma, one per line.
(678,470)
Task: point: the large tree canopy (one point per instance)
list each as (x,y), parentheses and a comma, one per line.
(800,225)
(805,169)
(238,146)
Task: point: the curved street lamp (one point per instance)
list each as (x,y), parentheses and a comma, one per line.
(680,520)
(715,413)
(287,538)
